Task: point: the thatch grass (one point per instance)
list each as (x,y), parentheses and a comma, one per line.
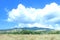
(30,37)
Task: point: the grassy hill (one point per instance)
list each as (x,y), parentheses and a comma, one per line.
(29,31)
(27,34)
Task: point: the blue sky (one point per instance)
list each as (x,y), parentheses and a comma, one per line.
(29,13)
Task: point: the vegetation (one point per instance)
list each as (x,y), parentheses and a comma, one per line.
(30,32)
(30,37)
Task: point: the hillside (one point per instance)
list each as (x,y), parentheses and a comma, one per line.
(33,30)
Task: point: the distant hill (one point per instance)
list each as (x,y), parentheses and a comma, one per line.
(28,28)
(36,28)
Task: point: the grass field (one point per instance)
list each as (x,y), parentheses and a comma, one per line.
(29,37)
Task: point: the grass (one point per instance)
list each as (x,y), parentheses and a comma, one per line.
(29,37)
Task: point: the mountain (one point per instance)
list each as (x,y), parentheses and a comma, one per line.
(36,28)
(28,28)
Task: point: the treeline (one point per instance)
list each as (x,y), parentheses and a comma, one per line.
(30,32)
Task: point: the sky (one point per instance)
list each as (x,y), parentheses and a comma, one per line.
(30,13)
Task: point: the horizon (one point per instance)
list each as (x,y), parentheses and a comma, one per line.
(30,13)
(27,28)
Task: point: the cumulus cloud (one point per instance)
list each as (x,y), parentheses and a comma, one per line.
(47,17)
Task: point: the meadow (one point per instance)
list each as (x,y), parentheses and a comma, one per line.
(29,37)
(29,34)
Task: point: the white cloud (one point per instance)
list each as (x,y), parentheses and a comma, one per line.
(21,25)
(31,17)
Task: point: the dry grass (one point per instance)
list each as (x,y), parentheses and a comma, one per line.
(29,37)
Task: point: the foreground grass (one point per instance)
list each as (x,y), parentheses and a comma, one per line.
(29,37)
